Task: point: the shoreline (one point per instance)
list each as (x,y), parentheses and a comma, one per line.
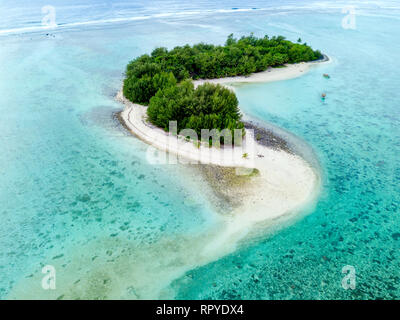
(282,185)
(286,72)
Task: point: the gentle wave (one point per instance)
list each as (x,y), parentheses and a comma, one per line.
(279,9)
(122,19)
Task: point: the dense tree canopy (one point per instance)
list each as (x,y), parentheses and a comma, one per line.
(208,107)
(162,79)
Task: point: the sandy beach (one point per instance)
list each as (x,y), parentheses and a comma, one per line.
(288,71)
(269,75)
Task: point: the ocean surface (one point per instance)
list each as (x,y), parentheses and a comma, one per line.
(77,193)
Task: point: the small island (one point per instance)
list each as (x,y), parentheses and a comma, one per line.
(180,100)
(172,97)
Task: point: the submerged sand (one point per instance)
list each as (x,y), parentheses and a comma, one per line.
(254,202)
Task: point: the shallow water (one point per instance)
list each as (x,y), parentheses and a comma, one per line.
(76,191)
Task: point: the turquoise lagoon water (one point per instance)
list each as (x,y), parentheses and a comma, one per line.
(77,192)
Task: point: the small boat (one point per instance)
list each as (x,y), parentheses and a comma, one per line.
(323,96)
(327,76)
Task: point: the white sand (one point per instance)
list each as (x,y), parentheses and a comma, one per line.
(272,74)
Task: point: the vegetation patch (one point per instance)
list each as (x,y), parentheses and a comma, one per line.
(162,80)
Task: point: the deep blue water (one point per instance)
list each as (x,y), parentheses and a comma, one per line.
(76,191)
